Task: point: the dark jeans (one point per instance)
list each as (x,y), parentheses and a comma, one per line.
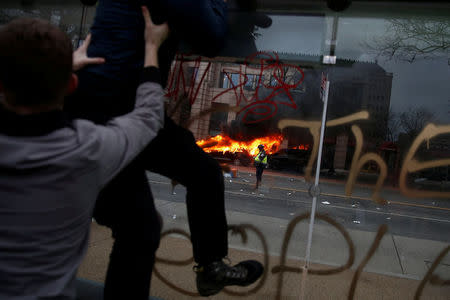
(259,172)
(175,154)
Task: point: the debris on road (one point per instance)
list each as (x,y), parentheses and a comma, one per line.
(357,222)
(326,202)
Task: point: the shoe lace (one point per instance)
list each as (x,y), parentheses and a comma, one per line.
(236,272)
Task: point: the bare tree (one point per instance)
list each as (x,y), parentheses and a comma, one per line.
(410,39)
(393,126)
(414,120)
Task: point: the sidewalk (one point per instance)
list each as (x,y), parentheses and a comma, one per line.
(370,286)
(397,255)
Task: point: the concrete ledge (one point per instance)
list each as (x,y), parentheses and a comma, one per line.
(370,286)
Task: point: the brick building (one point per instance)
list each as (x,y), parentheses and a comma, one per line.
(214,94)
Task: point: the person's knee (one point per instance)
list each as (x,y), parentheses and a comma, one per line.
(138,243)
(208,175)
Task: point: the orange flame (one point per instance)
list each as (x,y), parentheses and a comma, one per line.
(220,143)
(301,147)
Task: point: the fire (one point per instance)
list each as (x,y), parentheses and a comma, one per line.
(301,147)
(220,143)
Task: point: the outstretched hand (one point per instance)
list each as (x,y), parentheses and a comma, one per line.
(80,58)
(155,35)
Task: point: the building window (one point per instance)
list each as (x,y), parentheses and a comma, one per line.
(192,74)
(227,83)
(253,82)
(273,81)
(250,84)
(219,118)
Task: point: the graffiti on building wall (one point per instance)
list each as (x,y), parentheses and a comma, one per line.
(255,107)
(180,84)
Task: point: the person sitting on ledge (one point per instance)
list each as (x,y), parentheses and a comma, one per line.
(108,90)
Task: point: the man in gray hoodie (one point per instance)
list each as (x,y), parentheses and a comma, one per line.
(52,168)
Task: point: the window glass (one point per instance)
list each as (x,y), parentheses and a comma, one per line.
(384,176)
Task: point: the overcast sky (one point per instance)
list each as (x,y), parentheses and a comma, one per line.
(421,83)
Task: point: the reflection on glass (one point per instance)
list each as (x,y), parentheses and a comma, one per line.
(390,80)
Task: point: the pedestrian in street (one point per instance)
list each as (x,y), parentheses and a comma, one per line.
(260,164)
(108,90)
(52,168)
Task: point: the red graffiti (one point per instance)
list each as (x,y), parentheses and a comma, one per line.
(177,81)
(255,108)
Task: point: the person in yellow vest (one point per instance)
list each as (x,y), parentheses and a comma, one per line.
(260,164)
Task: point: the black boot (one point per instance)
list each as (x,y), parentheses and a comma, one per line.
(213,277)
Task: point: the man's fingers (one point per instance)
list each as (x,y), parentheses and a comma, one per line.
(86,42)
(95,61)
(147,17)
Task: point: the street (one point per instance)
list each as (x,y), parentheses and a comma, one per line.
(285,196)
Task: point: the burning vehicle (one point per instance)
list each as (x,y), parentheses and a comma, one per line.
(227,150)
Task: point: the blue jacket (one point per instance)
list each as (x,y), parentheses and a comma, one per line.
(118,31)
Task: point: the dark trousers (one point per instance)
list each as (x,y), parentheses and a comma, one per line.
(175,154)
(259,171)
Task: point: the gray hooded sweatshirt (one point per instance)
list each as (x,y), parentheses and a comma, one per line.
(51,171)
